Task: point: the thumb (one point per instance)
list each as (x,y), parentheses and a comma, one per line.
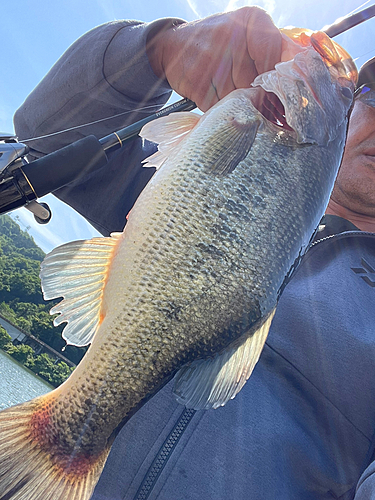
(264,40)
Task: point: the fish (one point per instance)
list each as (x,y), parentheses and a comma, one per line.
(189,288)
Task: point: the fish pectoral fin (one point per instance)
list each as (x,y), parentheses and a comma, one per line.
(167,132)
(78,271)
(211,383)
(232,145)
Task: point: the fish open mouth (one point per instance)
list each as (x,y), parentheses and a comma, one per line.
(270,106)
(267,99)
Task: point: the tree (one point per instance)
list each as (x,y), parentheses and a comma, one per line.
(60,373)
(43,363)
(21,352)
(21,299)
(43,366)
(5,338)
(42,327)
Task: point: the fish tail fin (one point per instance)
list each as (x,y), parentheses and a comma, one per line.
(30,471)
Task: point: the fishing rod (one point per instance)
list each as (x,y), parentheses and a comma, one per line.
(346,23)
(22,183)
(334,29)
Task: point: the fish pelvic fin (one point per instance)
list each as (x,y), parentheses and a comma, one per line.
(30,470)
(224,149)
(78,272)
(167,132)
(211,383)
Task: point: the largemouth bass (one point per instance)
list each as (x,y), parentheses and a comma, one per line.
(191,285)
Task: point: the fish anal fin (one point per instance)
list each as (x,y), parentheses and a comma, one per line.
(78,272)
(211,383)
(167,132)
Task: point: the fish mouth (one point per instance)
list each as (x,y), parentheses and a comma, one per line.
(274,86)
(271,108)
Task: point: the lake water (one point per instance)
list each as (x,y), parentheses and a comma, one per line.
(17,383)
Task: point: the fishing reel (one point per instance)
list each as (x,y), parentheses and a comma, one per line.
(23,182)
(14,184)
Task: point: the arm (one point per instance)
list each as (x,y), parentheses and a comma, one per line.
(127,65)
(104,73)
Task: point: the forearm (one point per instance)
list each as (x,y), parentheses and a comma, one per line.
(104,73)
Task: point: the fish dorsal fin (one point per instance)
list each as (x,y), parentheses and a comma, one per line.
(167,132)
(78,271)
(211,383)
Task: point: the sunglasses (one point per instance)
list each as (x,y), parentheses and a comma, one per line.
(366,94)
(365,89)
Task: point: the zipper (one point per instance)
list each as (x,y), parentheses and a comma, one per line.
(300,257)
(345,234)
(162,457)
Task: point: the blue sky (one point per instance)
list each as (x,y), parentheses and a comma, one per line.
(34,34)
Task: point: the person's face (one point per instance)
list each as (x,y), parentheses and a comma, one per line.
(355,184)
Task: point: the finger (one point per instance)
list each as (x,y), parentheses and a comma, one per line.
(244,71)
(235,69)
(276,114)
(203,93)
(209,85)
(223,80)
(243,67)
(206,100)
(263,40)
(276,103)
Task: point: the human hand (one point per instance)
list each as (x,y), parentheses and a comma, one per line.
(205,60)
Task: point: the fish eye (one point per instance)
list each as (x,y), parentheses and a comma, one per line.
(346,92)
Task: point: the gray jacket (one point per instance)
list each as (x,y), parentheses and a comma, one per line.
(303,426)
(104,74)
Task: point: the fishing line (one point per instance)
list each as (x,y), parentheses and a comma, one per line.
(365,54)
(341,18)
(352,12)
(87,124)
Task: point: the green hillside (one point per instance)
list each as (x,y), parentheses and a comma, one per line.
(21,299)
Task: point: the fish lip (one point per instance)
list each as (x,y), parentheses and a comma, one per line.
(295,70)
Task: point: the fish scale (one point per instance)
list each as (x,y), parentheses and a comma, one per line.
(191,285)
(236,267)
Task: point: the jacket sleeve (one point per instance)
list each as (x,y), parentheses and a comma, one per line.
(366,484)
(104,73)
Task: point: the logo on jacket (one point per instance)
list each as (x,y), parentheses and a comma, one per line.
(367,273)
